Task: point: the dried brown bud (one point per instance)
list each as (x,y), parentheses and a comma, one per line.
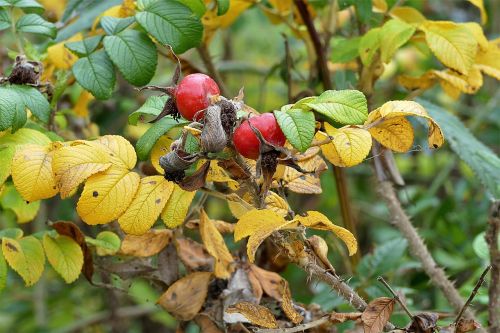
(213,136)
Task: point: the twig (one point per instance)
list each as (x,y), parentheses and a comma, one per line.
(396,296)
(299,328)
(214,73)
(289,60)
(473,294)
(492,235)
(418,249)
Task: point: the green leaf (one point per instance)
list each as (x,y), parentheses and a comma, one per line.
(197,6)
(106,243)
(134,54)
(34,101)
(65,256)
(147,141)
(171,23)
(481,248)
(3,271)
(96,74)
(395,34)
(20,118)
(11,199)
(25,256)
(368,46)
(345,50)
(298,126)
(152,108)
(28,6)
(84,47)
(35,24)
(4,19)
(114,25)
(386,257)
(344,106)
(363,10)
(481,159)
(6,155)
(11,107)
(222,7)
(24,136)
(14,233)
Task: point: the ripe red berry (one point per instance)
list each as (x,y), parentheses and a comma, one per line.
(247,143)
(193,95)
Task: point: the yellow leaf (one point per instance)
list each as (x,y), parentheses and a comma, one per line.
(255,314)
(146,245)
(316,220)
(177,206)
(24,136)
(75,163)
(408,14)
(469,84)
(81,107)
(212,22)
(127,8)
(185,298)
(369,44)
(65,256)
(25,256)
(59,56)
(349,146)
(287,303)
(11,199)
(32,172)
(379,6)
(276,203)
(216,247)
(218,174)
(53,9)
(452,43)
(480,5)
(394,109)
(299,182)
(284,7)
(424,81)
(6,156)
(107,195)
(148,203)
(161,147)
(489,61)
(476,30)
(258,224)
(121,152)
(395,33)
(395,134)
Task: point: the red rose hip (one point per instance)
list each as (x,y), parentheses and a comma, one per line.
(247,143)
(193,95)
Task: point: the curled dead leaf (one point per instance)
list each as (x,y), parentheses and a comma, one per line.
(287,303)
(256,314)
(337,318)
(424,323)
(185,298)
(193,255)
(222,226)
(320,248)
(377,314)
(146,245)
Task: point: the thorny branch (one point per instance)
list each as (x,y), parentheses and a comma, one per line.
(492,235)
(473,294)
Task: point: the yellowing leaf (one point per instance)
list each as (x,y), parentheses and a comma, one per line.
(408,14)
(59,56)
(81,106)
(394,109)
(185,298)
(349,146)
(215,245)
(395,134)
(218,174)
(65,256)
(3,271)
(146,245)
(395,33)
(379,6)
(287,303)
(469,84)
(53,9)
(127,8)
(255,314)
(107,195)
(25,256)
(489,61)
(11,199)
(316,220)
(148,203)
(369,44)
(32,172)
(161,147)
(121,152)
(75,163)
(424,81)
(476,30)
(24,136)
(212,22)
(453,44)
(258,224)
(6,156)
(177,206)
(276,203)
(480,5)
(299,182)
(107,243)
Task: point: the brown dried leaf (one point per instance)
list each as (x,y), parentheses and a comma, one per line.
(287,304)
(234,169)
(197,179)
(185,298)
(269,281)
(424,322)
(377,314)
(193,255)
(215,245)
(206,324)
(320,248)
(337,318)
(255,284)
(467,325)
(222,226)
(146,245)
(256,314)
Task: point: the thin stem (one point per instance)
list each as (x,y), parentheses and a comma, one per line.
(19,40)
(492,235)
(396,296)
(473,294)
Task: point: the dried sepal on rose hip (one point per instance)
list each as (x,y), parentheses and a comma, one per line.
(175,162)
(218,124)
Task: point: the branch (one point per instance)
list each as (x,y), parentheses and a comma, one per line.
(418,249)
(396,296)
(212,71)
(473,294)
(299,328)
(492,235)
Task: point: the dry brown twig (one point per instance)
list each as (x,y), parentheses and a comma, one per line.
(492,235)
